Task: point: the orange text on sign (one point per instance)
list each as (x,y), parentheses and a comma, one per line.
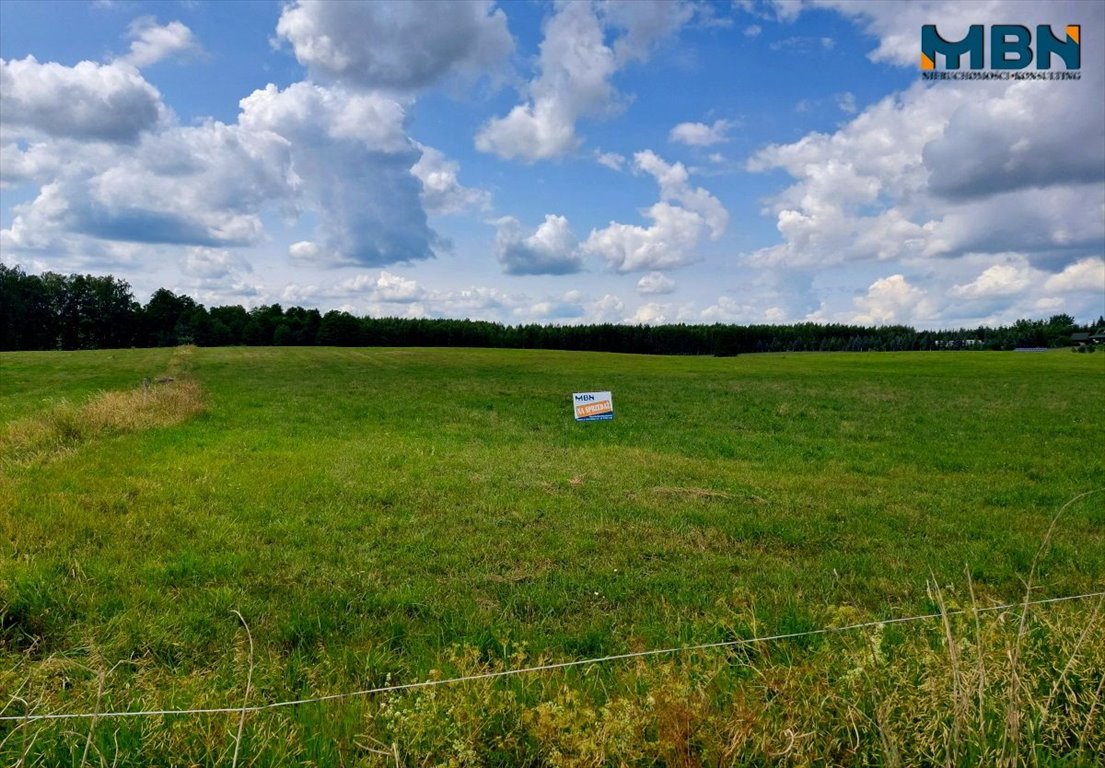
(602,406)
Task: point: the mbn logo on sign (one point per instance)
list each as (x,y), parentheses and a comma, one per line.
(1010,47)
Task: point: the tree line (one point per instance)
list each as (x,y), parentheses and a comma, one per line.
(53,311)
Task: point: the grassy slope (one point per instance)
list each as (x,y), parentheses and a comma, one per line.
(30,381)
(367,509)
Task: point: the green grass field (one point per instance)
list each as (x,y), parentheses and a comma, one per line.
(390,515)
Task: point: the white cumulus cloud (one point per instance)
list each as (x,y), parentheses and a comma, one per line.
(213,263)
(442,192)
(397,289)
(89,101)
(576,67)
(39,162)
(892,300)
(611,160)
(730,310)
(655,283)
(548,250)
(999,280)
(645,24)
(608,309)
(651,313)
(385,288)
(305,250)
(672,238)
(1085,275)
(700,134)
(152,42)
(396,46)
(960,185)
(353,161)
(130,175)
(675,186)
(575,70)
(198,185)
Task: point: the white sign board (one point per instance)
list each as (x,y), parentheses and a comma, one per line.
(593,406)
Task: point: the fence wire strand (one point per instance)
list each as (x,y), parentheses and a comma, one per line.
(541,667)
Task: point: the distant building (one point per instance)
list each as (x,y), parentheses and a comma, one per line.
(957,343)
(1086,338)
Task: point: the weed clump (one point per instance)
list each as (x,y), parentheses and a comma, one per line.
(66,426)
(975,689)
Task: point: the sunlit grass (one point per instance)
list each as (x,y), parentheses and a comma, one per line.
(369,512)
(65,426)
(33,381)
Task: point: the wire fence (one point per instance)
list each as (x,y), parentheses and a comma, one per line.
(242,710)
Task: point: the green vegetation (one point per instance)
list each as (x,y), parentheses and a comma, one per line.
(52,311)
(393,515)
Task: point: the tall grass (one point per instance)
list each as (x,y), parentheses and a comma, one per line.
(975,688)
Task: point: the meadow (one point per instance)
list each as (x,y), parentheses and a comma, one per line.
(386,516)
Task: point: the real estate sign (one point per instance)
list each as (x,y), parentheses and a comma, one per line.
(593,406)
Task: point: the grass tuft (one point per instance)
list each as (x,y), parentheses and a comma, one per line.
(65,426)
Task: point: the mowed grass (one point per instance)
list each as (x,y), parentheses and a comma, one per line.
(371,511)
(32,382)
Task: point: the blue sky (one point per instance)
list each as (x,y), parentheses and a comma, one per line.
(649,162)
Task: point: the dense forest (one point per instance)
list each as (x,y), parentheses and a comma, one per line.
(53,311)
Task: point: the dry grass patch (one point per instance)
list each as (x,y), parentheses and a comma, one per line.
(66,426)
(162,405)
